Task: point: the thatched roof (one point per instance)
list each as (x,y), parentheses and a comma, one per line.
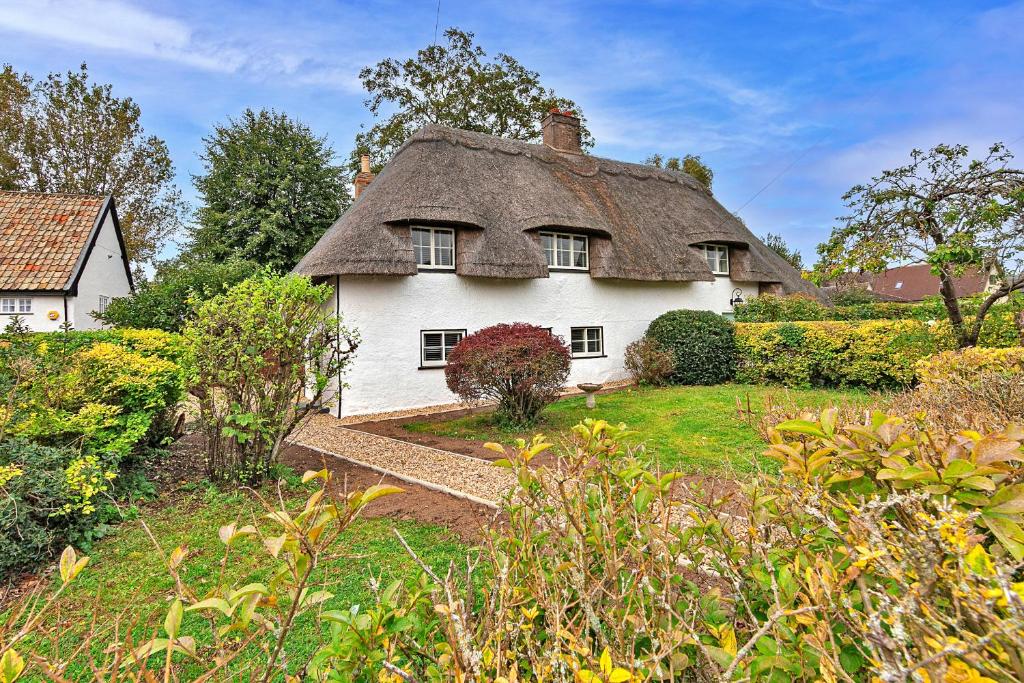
(643,221)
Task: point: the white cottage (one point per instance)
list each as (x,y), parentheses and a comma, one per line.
(463,230)
(62,257)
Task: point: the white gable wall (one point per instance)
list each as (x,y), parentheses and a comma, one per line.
(390,312)
(103,274)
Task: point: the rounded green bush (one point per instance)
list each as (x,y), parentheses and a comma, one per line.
(702,343)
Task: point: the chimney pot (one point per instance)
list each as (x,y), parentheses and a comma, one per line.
(364,177)
(561,131)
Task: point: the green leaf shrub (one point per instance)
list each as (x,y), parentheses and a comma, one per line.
(648,363)
(878,354)
(80,410)
(702,344)
(999,329)
(167,301)
(262,356)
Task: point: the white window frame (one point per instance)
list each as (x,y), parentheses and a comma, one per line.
(18,305)
(104,302)
(445,347)
(551,254)
(587,340)
(434,232)
(719,250)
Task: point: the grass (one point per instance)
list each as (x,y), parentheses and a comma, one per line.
(690,429)
(127,576)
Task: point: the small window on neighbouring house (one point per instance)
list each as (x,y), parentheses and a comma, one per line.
(717,256)
(434,247)
(104,302)
(586,341)
(899,285)
(435,345)
(566,251)
(15,305)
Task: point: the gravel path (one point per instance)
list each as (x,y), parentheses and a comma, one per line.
(461,475)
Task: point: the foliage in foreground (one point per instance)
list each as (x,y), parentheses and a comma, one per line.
(168,300)
(263,356)
(522,367)
(701,342)
(80,411)
(885,551)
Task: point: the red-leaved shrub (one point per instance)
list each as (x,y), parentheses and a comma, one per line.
(520,366)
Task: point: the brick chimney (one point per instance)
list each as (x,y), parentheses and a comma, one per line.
(364,176)
(562,131)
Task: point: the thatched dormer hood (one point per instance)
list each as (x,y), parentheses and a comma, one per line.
(498,193)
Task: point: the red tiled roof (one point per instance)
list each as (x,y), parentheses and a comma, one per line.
(42,237)
(914,283)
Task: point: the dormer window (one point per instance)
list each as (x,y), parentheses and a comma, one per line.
(434,248)
(717,256)
(565,251)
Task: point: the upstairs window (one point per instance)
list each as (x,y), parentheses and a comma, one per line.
(586,342)
(566,251)
(15,306)
(435,345)
(104,302)
(434,248)
(717,256)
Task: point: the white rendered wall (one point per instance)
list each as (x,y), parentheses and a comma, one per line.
(103,274)
(390,312)
(38,320)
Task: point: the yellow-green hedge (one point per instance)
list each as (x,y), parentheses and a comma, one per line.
(876,354)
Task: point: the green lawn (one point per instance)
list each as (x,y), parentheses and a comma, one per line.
(126,575)
(691,429)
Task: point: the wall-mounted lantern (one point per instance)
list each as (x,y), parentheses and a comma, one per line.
(736,298)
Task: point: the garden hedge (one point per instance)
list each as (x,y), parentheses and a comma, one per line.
(998,331)
(80,409)
(878,354)
(702,343)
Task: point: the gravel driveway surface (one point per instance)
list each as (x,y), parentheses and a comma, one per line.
(461,475)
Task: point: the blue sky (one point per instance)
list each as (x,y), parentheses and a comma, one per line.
(790,102)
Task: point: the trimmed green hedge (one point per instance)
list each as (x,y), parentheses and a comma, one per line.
(702,344)
(998,330)
(879,354)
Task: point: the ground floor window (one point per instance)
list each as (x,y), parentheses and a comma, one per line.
(104,302)
(435,345)
(586,341)
(15,305)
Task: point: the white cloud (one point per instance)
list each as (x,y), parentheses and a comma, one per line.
(121,27)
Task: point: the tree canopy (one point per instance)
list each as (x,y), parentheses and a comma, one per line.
(269,190)
(66,134)
(691,164)
(454,85)
(943,208)
(778,244)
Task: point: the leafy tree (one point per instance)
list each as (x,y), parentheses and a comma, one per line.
(254,349)
(67,135)
(269,190)
(454,85)
(690,164)
(168,300)
(778,244)
(942,208)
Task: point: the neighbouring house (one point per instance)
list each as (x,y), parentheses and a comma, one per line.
(914,283)
(463,230)
(62,257)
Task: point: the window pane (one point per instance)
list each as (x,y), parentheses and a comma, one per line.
(564,251)
(6,305)
(723,261)
(579,246)
(709,256)
(444,248)
(547,242)
(451,339)
(421,246)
